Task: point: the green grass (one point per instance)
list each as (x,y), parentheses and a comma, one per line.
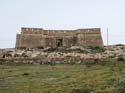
(62,78)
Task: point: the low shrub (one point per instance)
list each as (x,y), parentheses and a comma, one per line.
(81,90)
(120,59)
(96,49)
(25,74)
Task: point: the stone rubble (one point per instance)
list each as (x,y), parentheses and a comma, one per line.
(75,55)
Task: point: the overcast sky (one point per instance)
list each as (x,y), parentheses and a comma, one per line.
(62,14)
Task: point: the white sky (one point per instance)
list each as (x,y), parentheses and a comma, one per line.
(62,14)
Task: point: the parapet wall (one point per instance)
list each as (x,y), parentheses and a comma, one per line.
(52,32)
(31,30)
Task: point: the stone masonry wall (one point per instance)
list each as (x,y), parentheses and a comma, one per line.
(38,37)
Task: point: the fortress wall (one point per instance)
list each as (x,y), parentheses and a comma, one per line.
(32,31)
(89,31)
(30,41)
(69,41)
(90,37)
(18,40)
(37,37)
(49,42)
(58,32)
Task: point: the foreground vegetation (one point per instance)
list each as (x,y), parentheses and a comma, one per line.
(63,78)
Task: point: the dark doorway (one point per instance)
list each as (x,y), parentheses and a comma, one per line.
(59,42)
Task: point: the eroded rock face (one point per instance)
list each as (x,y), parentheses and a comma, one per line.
(75,55)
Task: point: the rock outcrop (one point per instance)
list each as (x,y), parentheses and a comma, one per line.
(63,55)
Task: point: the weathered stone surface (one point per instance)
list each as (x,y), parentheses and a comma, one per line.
(40,57)
(40,38)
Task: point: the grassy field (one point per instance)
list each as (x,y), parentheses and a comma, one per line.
(62,78)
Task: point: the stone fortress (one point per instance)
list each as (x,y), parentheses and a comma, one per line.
(40,38)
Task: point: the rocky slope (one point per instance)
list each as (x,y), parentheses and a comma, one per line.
(73,54)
